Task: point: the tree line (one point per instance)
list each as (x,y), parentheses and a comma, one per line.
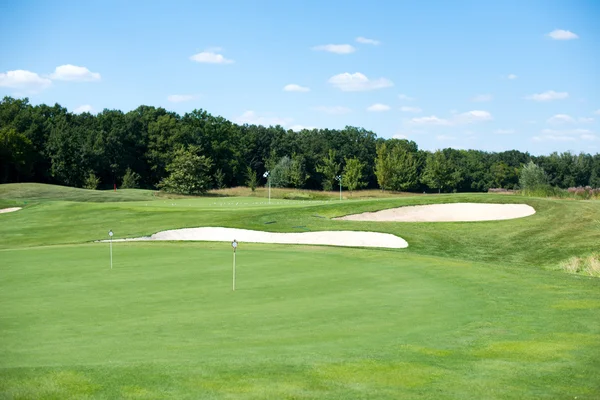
(151,147)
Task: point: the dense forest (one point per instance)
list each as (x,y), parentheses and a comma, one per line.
(154,148)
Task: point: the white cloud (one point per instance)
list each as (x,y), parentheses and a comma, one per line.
(472,117)
(560,119)
(511,76)
(180,98)
(566,131)
(482,98)
(364,40)
(210,56)
(584,120)
(458,119)
(407,98)
(560,34)
(84,108)
(597,112)
(432,120)
(298,128)
(24,80)
(250,117)
(399,136)
(566,135)
(443,138)
(548,96)
(358,82)
(74,73)
(504,131)
(410,109)
(335,110)
(378,107)
(588,137)
(336,48)
(292,87)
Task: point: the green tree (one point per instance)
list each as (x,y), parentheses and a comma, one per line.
(251,178)
(298,174)
(383,167)
(15,155)
(189,172)
(353,175)
(404,169)
(439,172)
(91,182)
(131,179)
(532,176)
(329,168)
(280,173)
(219,178)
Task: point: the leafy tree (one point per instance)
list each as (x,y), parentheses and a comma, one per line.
(219,178)
(532,176)
(15,155)
(251,178)
(91,182)
(280,173)
(298,174)
(439,172)
(404,169)
(383,167)
(131,179)
(189,172)
(329,168)
(353,174)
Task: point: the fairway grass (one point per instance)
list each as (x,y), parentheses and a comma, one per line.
(304,322)
(470,310)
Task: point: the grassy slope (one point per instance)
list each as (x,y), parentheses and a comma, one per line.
(306,322)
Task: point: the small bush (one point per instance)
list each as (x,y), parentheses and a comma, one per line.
(130,180)
(91,182)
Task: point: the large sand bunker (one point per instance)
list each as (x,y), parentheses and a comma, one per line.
(331,238)
(452,212)
(7,210)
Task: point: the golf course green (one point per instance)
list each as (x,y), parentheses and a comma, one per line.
(469,310)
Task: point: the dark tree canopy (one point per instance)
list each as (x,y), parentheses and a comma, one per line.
(141,148)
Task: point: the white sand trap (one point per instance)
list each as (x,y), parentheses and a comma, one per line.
(331,238)
(7,210)
(452,212)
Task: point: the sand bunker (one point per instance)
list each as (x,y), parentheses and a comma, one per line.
(331,238)
(446,213)
(7,210)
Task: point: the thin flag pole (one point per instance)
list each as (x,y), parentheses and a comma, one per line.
(110,233)
(234,245)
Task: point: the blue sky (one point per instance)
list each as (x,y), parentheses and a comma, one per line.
(464,74)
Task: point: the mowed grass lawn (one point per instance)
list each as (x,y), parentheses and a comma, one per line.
(450,317)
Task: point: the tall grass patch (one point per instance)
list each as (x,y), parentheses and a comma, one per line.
(589,265)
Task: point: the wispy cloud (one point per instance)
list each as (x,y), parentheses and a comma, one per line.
(548,96)
(410,109)
(83,109)
(336,48)
(561,119)
(560,34)
(292,87)
(211,56)
(466,118)
(504,131)
(358,82)
(250,117)
(511,76)
(364,40)
(405,97)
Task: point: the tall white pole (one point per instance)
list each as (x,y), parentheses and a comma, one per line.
(111,252)
(269,190)
(234,269)
(340,189)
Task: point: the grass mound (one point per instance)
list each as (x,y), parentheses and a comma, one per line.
(41,191)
